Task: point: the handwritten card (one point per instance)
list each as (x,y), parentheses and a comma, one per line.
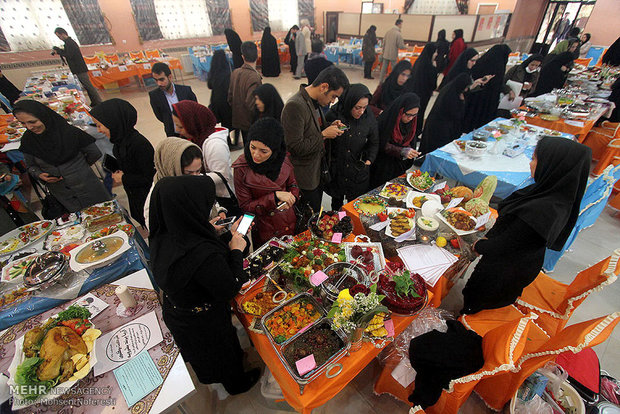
(389,327)
(337,238)
(317,278)
(341,215)
(138,378)
(306,364)
(147,66)
(454,202)
(438,186)
(380,225)
(483,219)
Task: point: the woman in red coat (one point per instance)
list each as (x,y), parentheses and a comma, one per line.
(265,182)
(456,48)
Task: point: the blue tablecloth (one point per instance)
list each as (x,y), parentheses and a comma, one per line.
(131,261)
(444,163)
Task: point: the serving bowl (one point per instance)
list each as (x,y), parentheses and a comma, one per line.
(476,148)
(99,252)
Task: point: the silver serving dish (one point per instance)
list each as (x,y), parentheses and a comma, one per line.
(330,289)
(270,314)
(302,380)
(46,270)
(276,242)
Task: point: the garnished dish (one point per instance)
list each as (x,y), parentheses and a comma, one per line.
(61,237)
(420,181)
(415,199)
(405,292)
(367,255)
(9,245)
(401,221)
(100,215)
(25,235)
(460,144)
(461,221)
(15,296)
(262,302)
(96,224)
(106,231)
(308,257)
(376,326)
(330,223)
(57,353)
(263,259)
(294,315)
(68,219)
(370,205)
(394,190)
(17,268)
(98,210)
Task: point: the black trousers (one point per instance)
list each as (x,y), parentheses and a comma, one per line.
(367,69)
(313,197)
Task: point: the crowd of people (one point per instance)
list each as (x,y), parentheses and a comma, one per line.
(331,137)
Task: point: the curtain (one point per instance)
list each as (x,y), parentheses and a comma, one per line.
(30,24)
(179,19)
(259,13)
(306,10)
(87,21)
(432,7)
(463,6)
(408,4)
(219,15)
(4,45)
(282,15)
(146,19)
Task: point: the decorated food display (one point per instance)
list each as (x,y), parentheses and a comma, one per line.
(16,269)
(416,199)
(64,236)
(459,219)
(128,229)
(395,191)
(99,252)
(420,181)
(328,224)
(401,221)
(100,215)
(285,321)
(370,205)
(405,292)
(57,353)
(307,257)
(261,261)
(24,236)
(367,255)
(262,302)
(376,326)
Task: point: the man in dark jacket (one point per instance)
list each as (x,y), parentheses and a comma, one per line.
(243,81)
(71,53)
(167,94)
(316,61)
(305,129)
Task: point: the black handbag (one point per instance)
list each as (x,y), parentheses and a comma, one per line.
(51,208)
(231,204)
(326,175)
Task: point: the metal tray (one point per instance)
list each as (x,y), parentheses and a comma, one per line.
(378,257)
(256,253)
(302,380)
(269,315)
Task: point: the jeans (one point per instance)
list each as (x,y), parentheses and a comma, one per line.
(384,67)
(90,89)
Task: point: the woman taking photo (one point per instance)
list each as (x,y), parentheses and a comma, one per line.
(199,272)
(391,88)
(397,127)
(268,102)
(265,183)
(116,119)
(60,155)
(423,80)
(530,220)
(444,123)
(553,74)
(356,149)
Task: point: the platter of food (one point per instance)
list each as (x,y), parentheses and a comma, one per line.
(128,229)
(459,220)
(405,292)
(420,181)
(328,224)
(59,238)
(415,199)
(401,221)
(50,358)
(262,260)
(24,236)
(460,144)
(549,117)
(15,270)
(98,210)
(283,322)
(305,258)
(370,205)
(367,255)
(394,190)
(98,253)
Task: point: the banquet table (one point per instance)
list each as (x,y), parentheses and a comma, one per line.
(102,393)
(114,73)
(511,173)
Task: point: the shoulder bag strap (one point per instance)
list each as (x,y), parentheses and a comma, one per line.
(230,192)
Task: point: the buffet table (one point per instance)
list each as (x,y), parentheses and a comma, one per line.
(98,394)
(114,73)
(511,173)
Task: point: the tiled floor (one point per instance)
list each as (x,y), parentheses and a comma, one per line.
(591,246)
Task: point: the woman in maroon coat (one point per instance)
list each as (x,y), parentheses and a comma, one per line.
(265,182)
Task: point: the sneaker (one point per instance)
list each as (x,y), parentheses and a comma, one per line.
(251,378)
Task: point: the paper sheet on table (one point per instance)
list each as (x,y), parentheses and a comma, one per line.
(125,342)
(515,86)
(492,162)
(404,373)
(138,378)
(506,103)
(578,124)
(429,261)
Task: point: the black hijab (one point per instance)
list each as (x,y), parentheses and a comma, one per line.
(390,89)
(423,80)
(444,122)
(119,116)
(551,75)
(270,57)
(390,117)
(350,97)
(59,143)
(269,95)
(458,34)
(551,205)
(372,34)
(443,47)
(270,132)
(612,56)
(181,237)
(460,66)
(481,106)
(234,44)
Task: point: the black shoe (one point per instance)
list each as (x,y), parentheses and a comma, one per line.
(250,379)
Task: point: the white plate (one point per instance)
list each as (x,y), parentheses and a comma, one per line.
(397,198)
(414,194)
(6,269)
(76,267)
(457,231)
(378,256)
(388,231)
(410,175)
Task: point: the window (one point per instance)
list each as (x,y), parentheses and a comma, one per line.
(282,15)
(180,19)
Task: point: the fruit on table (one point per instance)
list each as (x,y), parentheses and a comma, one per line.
(477,206)
(486,188)
(441,241)
(444,194)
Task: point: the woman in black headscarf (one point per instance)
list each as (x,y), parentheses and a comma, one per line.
(270,58)
(368,50)
(463,64)
(443,47)
(199,273)
(9,91)
(218,81)
(397,126)
(267,102)
(444,123)
(60,155)
(265,181)
(612,56)
(234,44)
(116,119)
(554,73)
(481,106)
(525,73)
(356,149)
(530,220)
(290,41)
(391,88)
(423,80)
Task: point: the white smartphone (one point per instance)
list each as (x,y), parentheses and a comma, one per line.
(245,224)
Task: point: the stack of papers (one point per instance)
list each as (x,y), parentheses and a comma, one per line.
(429,261)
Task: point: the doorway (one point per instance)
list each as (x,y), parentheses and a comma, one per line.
(331,27)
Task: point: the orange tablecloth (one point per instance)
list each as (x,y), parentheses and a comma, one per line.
(561,126)
(115,74)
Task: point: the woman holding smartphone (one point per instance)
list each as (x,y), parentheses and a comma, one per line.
(265,183)
(199,273)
